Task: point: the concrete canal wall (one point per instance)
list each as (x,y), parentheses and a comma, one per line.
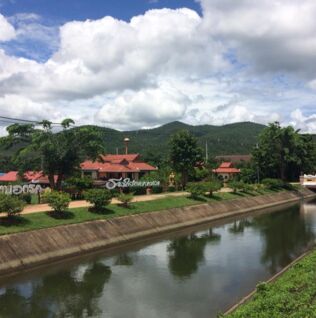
(29,249)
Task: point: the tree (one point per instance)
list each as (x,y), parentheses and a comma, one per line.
(284,153)
(184,154)
(98,197)
(10,204)
(58,201)
(56,154)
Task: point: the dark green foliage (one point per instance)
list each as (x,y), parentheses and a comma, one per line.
(26,197)
(54,153)
(196,189)
(291,295)
(58,201)
(213,186)
(284,153)
(240,186)
(98,197)
(184,154)
(125,199)
(273,184)
(10,204)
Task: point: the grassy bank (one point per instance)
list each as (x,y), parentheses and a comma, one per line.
(292,295)
(35,221)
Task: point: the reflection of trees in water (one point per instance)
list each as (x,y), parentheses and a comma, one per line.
(59,295)
(286,234)
(186,253)
(124,259)
(239,226)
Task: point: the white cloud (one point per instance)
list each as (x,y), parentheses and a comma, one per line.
(305,123)
(7,31)
(167,65)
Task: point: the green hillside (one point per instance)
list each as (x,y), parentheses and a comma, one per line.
(236,138)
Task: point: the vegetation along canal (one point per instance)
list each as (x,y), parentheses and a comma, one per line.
(191,274)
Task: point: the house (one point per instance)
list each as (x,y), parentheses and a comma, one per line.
(36,177)
(226,171)
(116,167)
(308,181)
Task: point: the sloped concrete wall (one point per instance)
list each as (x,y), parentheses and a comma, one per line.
(24,250)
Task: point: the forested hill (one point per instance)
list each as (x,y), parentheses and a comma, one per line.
(152,144)
(236,138)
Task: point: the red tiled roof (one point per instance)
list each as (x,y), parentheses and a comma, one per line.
(29,176)
(118,163)
(226,167)
(10,176)
(128,157)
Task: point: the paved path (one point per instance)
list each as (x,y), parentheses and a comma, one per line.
(36,208)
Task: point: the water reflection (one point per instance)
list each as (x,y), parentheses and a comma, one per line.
(285,235)
(195,275)
(186,253)
(59,295)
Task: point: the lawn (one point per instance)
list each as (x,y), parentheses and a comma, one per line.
(292,295)
(34,221)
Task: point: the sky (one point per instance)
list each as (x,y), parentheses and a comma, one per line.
(143,63)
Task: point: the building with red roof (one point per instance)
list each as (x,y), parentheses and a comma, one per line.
(226,171)
(116,167)
(29,176)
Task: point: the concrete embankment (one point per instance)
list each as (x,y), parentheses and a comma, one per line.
(29,249)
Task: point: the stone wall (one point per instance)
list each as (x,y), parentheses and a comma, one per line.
(28,249)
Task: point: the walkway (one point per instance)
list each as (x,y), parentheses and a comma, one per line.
(36,208)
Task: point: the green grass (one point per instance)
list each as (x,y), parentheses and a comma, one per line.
(35,221)
(292,295)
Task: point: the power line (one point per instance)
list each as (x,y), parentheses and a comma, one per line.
(11,120)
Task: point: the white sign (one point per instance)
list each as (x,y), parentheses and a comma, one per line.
(127,183)
(19,189)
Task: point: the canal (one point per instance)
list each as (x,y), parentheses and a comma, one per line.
(194,273)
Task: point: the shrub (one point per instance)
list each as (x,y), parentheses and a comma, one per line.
(157,189)
(26,197)
(58,201)
(98,197)
(239,186)
(273,184)
(213,186)
(125,198)
(196,189)
(10,204)
(171,189)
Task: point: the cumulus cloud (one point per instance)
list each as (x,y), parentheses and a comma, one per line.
(144,108)
(276,36)
(7,31)
(166,65)
(305,123)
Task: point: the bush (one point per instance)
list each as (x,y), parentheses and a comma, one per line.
(239,186)
(58,201)
(139,190)
(196,189)
(171,189)
(10,204)
(125,198)
(26,197)
(157,189)
(273,184)
(213,186)
(98,197)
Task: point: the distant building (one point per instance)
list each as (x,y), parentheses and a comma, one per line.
(116,167)
(30,176)
(234,158)
(226,171)
(308,181)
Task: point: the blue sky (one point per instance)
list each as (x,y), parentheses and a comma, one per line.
(61,11)
(141,63)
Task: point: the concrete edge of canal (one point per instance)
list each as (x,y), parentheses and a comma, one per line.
(26,250)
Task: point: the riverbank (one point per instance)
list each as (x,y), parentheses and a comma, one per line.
(291,293)
(28,249)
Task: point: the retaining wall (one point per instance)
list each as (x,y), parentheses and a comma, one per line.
(28,249)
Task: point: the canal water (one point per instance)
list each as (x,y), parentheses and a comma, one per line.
(195,273)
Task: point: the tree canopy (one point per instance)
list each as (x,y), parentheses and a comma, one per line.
(55,153)
(184,153)
(282,152)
